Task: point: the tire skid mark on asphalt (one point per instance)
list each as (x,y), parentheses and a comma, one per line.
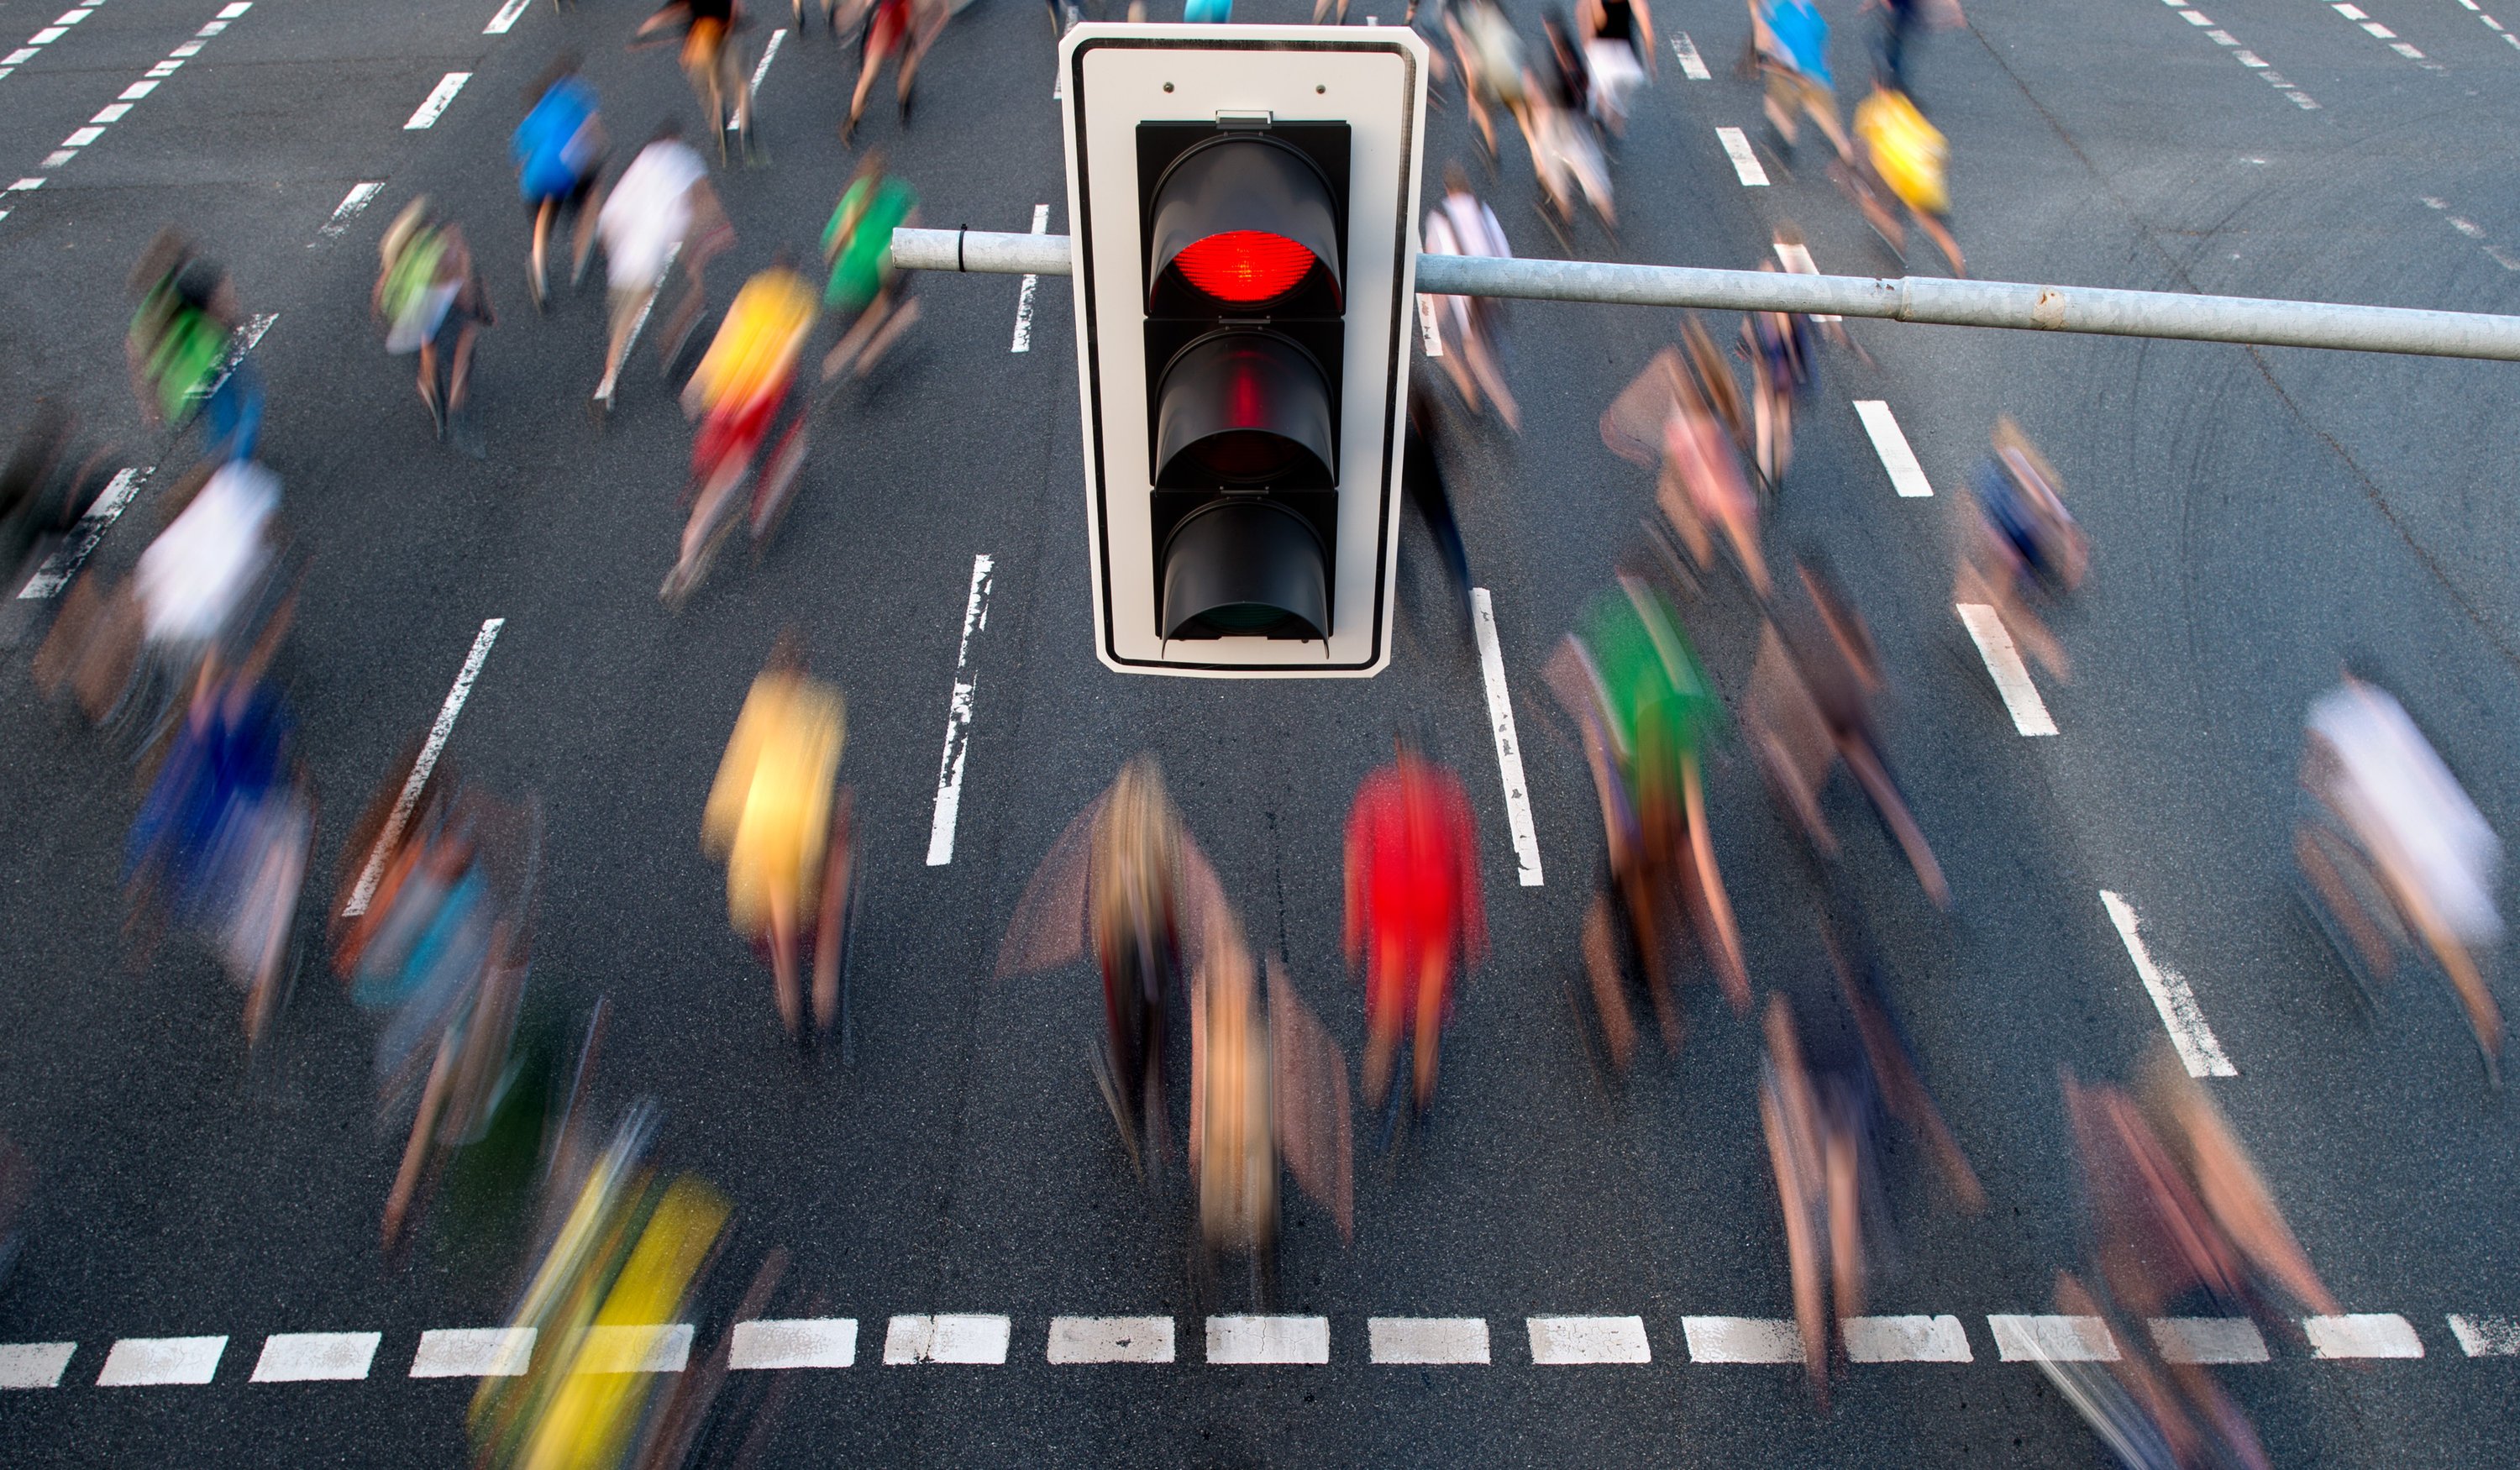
(85,137)
(2244,55)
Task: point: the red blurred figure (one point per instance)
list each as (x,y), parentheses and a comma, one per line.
(1412,855)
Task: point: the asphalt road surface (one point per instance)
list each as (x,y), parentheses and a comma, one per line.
(2256,515)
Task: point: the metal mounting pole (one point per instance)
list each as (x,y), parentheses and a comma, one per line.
(1929,299)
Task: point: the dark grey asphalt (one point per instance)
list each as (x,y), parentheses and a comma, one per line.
(2256,515)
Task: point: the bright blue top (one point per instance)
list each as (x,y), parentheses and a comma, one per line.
(1207,12)
(547,165)
(1804,34)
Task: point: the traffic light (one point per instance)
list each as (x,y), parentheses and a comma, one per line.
(1242,199)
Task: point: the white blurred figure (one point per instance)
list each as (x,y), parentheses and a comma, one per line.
(1462,224)
(662,209)
(1618,42)
(194,580)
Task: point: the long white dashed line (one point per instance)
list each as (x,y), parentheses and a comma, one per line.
(155,1362)
(2242,55)
(2208,1339)
(2362,1334)
(947,1337)
(958,719)
(361,194)
(1427,1341)
(413,784)
(1256,1341)
(316,1357)
(768,49)
(1890,443)
(62,565)
(2491,23)
(36,1365)
(438,100)
(1023,295)
(2378,31)
(2473,231)
(1509,749)
(505,18)
(112,112)
(2180,1015)
(1111,1339)
(821,1342)
(2051,1339)
(1692,64)
(35,43)
(2478,1336)
(2003,665)
(1583,1341)
(1745,160)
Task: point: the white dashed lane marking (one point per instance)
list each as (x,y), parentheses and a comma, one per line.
(2473,231)
(825,1342)
(1509,749)
(1578,1341)
(2208,1339)
(1692,64)
(2362,1334)
(1906,1339)
(2491,23)
(1890,443)
(361,194)
(36,1365)
(962,1338)
(2003,665)
(1427,1341)
(2244,55)
(2378,31)
(63,564)
(418,780)
(1024,292)
(152,1361)
(113,113)
(2051,1339)
(657,1347)
(316,1357)
(507,17)
(1111,1339)
(433,107)
(958,718)
(769,50)
(2180,1015)
(2485,1336)
(1254,1341)
(1740,1339)
(35,43)
(474,1353)
(1746,159)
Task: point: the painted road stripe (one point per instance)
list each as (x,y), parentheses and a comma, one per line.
(237,10)
(1111,1339)
(639,323)
(1796,258)
(1742,1339)
(1428,1340)
(1745,161)
(1427,332)
(1692,64)
(462,691)
(1569,1341)
(437,101)
(2003,665)
(34,1365)
(2478,1336)
(65,564)
(1251,1340)
(1517,791)
(2208,1339)
(83,137)
(474,1353)
(505,18)
(1906,1339)
(968,1338)
(146,1361)
(1890,442)
(136,91)
(316,1357)
(1023,295)
(2180,1015)
(2362,1334)
(2051,1339)
(958,719)
(643,1348)
(769,50)
(361,194)
(246,337)
(818,1342)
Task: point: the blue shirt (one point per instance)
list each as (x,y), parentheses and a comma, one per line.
(547,165)
(1803,35)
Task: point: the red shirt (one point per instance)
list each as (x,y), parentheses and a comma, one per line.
(1413,856)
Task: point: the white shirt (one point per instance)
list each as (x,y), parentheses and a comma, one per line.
(192,577)
(648,213)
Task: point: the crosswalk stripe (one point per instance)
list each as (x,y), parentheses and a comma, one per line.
(2051,1339)
(1245,1341)
(1568,1341)
(1428,1340)
(1906,1339)
(2208,1339)
(1111,1339)
(34,1365)
(2485,1336)
(946,1337)
(1740,1339)
(2362,1334)
(474,1353)
(829,1341)
(144,1361)
(314,1356)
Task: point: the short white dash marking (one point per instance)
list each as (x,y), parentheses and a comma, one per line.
(2249,58)
(57,160)
(1890,443)
(164,69)
(642,1348)
(2222,38)
(1428,1340)
(2004,664)
(438,100)
(83,137)
(235,11)
(1430,336)
(1569,1341)
(361,194)
(137,90)
(2051,1339)
(2303,100)
(2468,228)
(967,1338)
(74,17)
(822,1342)
(769,50)
(505,18)
(474,1353)
(144,1361)
(2478,1336)
(47,37)
(400,816)
(1742,1339)
(2374,28)
(1024,294)
(316,1357)
(2208,1339)
(2195,17)
(2351,11)
(34,1365)
(63,564)
(19,56)
(2180,1015)
(1111,1339)
(958,719)
(189,48)
(2362,1334)
(1517,791)
(23,184)
(211,29)
(1906,1339)
(639,323)
(1796,256)
(1692,64)
(1745,161)
(2407,51)
(1252,1340)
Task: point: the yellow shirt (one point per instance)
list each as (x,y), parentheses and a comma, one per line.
(756,347)
(770,810)
(1907,150)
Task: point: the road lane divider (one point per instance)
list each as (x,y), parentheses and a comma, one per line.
(1586,1341)
(399,818)
(1260,1341)
(1111,1339)
(1031,283)
(1745,158)
(1692,64)
(505,18)
(970,1338)
(958,718)
(1509,749)
(1890,444)
(2180,1015)
(2004,666)
(316,1357)
(361,194)
(439,98)
(62,565)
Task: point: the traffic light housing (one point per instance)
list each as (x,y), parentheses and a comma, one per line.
(1242,198)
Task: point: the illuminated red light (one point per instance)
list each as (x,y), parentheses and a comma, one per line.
(1244,267)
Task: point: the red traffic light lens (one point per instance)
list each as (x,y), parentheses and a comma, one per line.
(1244,267)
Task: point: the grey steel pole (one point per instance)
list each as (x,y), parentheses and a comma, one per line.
(1929,299)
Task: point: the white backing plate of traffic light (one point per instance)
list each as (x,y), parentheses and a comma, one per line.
(1119,76)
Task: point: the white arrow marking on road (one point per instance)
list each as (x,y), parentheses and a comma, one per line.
(2004,664)
(2180,1015)
(958,724)
(1024,297)
(420,768)
(435,103)
(1745,160)
(1517,791)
